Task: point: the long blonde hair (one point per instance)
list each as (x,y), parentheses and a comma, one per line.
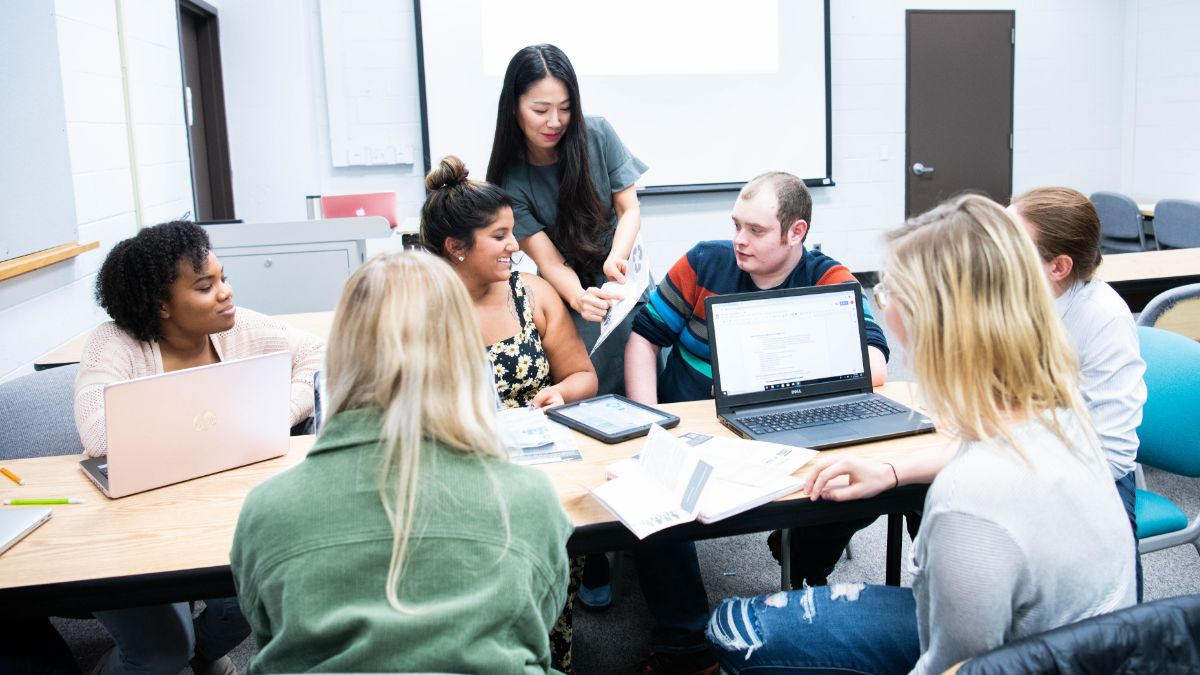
(405,340)
(985,341)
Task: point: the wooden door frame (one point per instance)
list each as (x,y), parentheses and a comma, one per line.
(1012,88)
(212,86)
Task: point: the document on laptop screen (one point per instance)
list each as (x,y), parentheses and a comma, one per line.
(785,342)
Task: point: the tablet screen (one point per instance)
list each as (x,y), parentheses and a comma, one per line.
(611,415)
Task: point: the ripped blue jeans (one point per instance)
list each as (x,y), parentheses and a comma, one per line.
(842,628)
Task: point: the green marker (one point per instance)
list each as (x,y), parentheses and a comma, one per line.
(41,502)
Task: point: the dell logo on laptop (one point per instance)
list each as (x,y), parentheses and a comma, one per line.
(794,392)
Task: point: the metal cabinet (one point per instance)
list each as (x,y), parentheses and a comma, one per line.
(289,268)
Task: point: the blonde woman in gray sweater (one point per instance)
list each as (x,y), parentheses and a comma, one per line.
(1023,530)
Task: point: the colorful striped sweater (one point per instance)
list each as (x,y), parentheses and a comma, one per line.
(674,317)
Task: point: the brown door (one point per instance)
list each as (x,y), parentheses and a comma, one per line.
(204,108)
(959,106)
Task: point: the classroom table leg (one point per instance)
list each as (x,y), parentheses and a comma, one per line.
(895,545)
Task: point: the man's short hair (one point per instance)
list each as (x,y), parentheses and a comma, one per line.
(794,201)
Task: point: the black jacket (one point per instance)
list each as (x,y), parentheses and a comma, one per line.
(1156,637)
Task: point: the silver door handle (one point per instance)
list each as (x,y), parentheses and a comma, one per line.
(920,169)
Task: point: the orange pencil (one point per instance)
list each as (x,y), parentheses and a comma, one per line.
(12,476)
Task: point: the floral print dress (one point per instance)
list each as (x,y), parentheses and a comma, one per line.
(521,369)
(519,363)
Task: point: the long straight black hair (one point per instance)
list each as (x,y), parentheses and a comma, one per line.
(580,232)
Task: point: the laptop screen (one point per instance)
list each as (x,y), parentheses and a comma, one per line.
(787,342)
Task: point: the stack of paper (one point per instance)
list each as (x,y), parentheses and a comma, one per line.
(532,439)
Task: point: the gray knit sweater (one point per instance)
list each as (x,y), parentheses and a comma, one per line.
(1008,549)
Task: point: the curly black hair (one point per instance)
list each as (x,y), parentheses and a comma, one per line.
(136,277)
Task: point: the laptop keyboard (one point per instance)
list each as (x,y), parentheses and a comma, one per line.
(814,417)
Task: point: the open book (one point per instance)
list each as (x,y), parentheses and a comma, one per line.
(697,477)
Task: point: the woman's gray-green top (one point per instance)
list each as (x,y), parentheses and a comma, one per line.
(484,578)
(1009,548)
(534,190)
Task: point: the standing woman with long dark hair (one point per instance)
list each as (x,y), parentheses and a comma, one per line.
(574,202)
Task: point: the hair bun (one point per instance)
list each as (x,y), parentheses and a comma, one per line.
(450,172)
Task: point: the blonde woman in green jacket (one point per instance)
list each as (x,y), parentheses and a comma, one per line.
(405,541)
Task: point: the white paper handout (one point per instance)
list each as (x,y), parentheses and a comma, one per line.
(745,473)
(637,278)
(532,439)
(662,490)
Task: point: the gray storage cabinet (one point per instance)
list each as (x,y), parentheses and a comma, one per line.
(289,268)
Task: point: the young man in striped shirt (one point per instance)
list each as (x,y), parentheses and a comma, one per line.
(770,221)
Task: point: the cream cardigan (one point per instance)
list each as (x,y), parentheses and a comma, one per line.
(112,355)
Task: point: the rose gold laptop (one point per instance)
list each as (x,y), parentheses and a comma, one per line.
(357,206)
(173,427)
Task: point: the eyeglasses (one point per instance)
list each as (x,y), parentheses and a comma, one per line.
(882,294)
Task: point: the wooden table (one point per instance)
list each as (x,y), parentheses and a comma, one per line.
(172,544)
(1138,277)
(317,323)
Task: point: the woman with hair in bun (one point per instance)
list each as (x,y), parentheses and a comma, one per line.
(537,358)
(571,180)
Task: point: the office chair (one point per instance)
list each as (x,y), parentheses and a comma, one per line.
(1176,310)
(1154,637)
(37,414)
(1172,400)
(1120,223)
(1177,223)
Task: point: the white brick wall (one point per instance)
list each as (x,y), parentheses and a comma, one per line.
(1167,134)
(1071,117)
(1107,94)
(54,304)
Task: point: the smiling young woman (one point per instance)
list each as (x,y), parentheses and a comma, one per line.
(571,180)
(536,355)
(172,308)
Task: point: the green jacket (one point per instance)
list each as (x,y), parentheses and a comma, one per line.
(311,551)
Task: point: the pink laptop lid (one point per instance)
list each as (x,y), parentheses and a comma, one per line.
(366,204)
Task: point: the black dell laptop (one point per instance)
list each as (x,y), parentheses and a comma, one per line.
(791,367)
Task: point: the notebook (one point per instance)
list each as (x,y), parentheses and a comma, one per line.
(356,206)
(173,427)
(18,521)
(791,367)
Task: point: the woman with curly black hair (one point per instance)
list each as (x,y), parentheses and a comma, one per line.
(172,308)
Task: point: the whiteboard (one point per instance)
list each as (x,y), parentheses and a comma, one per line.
(36,186)
(709,93)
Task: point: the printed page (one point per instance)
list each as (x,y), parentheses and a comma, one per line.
(746,473)
(663,489)
(641,504)
(531,438)
(637,278)
(728,496)
(729,455)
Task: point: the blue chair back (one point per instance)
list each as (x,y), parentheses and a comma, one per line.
(1168,437)
(1119,215)
(1177,223)
(37,414)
